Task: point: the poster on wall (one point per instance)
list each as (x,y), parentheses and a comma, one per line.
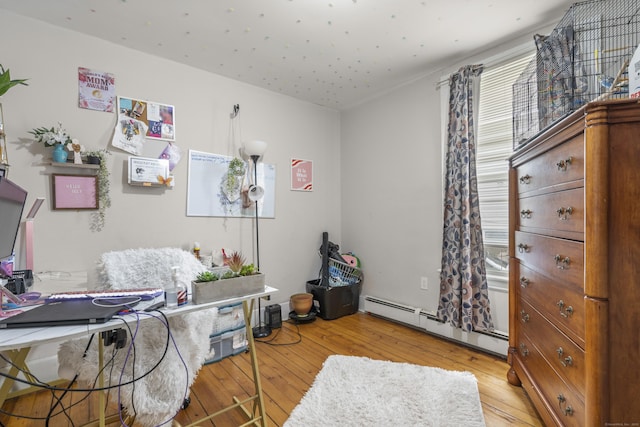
(159,118)
(96,90)
(301,175)
(75,191)
(129,134)
(218,186)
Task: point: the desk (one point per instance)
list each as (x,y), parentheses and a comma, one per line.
(18,343)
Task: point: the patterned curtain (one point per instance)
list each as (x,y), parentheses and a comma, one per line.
(464,297)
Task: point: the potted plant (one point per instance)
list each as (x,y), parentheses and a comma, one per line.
(56,137)
(104,196)
(5,84)
(233,179)
(236,280)
(5,81)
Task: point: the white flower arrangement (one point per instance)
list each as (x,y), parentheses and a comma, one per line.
(52,136)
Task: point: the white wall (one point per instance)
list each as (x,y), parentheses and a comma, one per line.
(392,189)
(140,217)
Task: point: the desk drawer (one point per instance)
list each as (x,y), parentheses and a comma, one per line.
(559,259)
(562,164)
(560,302)
(553,213)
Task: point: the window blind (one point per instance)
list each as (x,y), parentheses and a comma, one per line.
(494,146)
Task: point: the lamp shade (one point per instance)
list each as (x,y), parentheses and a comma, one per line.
(255,147)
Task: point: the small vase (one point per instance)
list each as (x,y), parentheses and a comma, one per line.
(59,154)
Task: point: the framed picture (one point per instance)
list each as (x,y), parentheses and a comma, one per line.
(301,175)
(159,118)
(75,192)
(148,172)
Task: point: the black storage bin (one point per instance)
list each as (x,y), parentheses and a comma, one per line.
(335,301)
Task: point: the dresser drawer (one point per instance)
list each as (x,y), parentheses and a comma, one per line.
(566,358)
(560,165)
(559,259)
(566,403)
(554,213)
(560,302)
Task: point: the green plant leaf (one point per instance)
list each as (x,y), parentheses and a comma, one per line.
(6,83)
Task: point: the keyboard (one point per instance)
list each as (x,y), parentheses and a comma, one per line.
(143,293)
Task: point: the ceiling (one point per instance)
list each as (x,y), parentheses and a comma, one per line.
(335,53)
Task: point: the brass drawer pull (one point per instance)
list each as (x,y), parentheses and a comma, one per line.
(523,248)
(526,179)
(524,317)
(564,213)
(524,282)
(562,164)
(564,312)
(562,263)
(567,361)
(524,351)
(568,410)
(525,213)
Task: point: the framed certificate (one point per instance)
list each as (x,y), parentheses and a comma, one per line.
(75,192)
(149,172)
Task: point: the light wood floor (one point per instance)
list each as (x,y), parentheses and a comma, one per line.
(292,359)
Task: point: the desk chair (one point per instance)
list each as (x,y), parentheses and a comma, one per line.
(158,396)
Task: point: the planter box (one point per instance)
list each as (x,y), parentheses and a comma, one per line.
(203,292)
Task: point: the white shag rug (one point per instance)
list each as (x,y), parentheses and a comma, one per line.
(358,391)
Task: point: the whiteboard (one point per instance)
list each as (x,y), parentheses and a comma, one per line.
(209,195)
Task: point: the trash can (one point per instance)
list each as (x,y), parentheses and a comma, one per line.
(335,301)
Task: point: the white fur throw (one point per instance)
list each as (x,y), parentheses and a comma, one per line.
(157,397)
(146,268)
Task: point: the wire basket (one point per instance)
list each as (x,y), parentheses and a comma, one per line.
(341,274)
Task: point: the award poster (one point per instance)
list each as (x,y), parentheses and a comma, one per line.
(96,90)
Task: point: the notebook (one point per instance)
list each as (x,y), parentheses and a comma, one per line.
(62,313)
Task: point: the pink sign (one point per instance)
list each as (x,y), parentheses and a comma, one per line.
(301,175)
(75,192)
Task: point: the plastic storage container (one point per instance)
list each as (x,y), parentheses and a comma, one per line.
(227,344)
(229,318)
(336,301)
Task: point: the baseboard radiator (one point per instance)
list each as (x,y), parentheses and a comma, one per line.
(496,342)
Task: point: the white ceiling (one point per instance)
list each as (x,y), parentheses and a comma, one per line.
(335,53)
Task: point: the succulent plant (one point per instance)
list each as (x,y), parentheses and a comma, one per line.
(207,276)
(235,262)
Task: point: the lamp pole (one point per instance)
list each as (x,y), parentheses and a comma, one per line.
(260,330)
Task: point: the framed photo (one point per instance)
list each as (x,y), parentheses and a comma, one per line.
(159,118)
(75,192)
(148,172)
(301,175)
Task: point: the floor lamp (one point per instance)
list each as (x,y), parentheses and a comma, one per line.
(255,149)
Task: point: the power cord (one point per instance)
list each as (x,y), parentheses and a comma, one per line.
(270,341)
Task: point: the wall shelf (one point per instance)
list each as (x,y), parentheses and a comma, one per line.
(70,165)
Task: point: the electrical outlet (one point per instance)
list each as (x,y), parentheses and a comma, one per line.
(424,283)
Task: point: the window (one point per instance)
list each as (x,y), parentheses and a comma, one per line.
(494,145)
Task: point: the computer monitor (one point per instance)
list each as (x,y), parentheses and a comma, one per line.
(12,200)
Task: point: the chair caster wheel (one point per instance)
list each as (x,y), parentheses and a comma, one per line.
(185,403)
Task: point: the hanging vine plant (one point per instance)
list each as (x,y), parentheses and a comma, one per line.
(233,179)
(104,195)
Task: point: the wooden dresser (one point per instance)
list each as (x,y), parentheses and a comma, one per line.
(574,246)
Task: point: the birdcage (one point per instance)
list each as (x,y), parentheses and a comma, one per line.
(585,58)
